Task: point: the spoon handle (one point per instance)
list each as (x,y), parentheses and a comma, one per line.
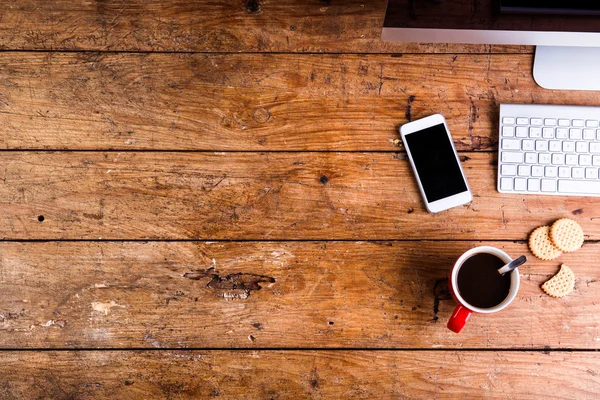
(512,265)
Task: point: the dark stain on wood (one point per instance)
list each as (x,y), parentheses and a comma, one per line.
(239,280)
(473,116)
(12,316)
(314,379)
(253,6)
(408,113)
(258,326)
(579,211)
(323,179)
(440,292)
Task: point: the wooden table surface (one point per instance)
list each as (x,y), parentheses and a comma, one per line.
(209,199)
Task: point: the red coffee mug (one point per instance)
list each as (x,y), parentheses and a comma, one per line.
(463,310)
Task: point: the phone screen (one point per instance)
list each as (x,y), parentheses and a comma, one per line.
(436,163)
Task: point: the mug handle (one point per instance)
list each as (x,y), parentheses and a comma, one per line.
(459,318)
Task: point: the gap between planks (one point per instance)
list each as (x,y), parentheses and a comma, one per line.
(290,349)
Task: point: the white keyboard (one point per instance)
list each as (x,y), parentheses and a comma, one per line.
(549,149)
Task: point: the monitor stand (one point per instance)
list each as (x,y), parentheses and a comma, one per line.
(569,68)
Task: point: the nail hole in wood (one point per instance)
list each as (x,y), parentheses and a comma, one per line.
(41,218)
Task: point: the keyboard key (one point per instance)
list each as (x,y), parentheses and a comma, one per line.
(571,159)
(548,185)
(506,183)
(585,160)
(536,121)
(562,133)
(522,121)
(558,158)
(555,145)
(508,170)
(597,134)
(533,185)
(548,133)
(589,134)
(588,187)
(511,144)
(524,170)
(550,122)
(535,132)
(578,122)
(591,123)
(577,173)
(541,145)
(537,170)
(596,160)
(544,158)
(568,147)
(594,147)
(581,147)
(520,184)
(508,157)
(508,120)
(551,172)
(528,145)
(508,131)
(564,172)
(531,158)
(574,134)
(591,173)
(522,131)
(564,122)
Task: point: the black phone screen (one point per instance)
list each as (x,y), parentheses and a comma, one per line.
(436,164)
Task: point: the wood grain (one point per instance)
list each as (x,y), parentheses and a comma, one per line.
(99,101)
(277,294)
(216,26)
(299,375)
(168,123)
(357,196)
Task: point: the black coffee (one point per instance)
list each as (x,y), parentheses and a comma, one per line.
(479,282)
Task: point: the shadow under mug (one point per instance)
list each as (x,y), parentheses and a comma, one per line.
(463,310)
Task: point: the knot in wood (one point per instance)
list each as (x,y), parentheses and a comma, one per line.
(261,115)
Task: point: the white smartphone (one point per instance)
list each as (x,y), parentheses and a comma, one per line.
(436,164)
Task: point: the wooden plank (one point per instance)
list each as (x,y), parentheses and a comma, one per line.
(358,196)
(217,26)
(277,294)
(256,102)
(299,375)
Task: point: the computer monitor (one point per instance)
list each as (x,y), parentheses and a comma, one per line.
(566,33)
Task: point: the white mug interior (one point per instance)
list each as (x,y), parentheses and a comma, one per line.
(514,279)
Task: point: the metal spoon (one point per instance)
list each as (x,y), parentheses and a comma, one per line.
(517,262)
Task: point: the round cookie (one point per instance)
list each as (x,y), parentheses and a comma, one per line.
(566,235)
(541,246)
